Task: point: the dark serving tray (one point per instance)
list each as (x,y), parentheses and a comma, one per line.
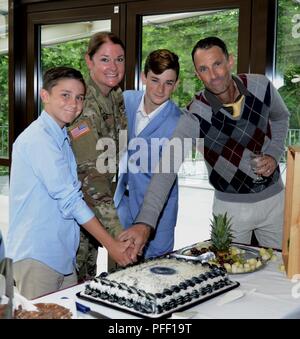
(192,303)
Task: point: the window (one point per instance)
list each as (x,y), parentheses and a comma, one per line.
(287,66)
(3,79)
(165,19)
(51,30)
(4,121)
(66,44)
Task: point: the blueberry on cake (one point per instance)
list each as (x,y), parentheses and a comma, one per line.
(158,286)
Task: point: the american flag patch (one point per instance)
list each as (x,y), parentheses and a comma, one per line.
(79,130)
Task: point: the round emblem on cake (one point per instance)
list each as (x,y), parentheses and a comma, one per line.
(162,270)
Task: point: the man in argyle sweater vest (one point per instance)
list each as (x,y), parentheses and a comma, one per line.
(229,142)
(260,124)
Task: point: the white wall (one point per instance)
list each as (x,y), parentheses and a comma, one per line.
(195,210)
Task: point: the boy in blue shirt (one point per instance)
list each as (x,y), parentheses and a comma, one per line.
(151,116)
(46,203)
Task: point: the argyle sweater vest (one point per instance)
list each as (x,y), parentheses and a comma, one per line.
(229,142)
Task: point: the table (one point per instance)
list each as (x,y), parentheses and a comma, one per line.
(268,293)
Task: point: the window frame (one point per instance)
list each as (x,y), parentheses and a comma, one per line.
(136,10)
(35,21)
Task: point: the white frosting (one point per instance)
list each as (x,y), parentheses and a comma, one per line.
(143,278)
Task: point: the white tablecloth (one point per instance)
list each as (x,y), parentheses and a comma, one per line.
(268,293)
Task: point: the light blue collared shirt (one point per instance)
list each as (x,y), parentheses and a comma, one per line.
(45,201)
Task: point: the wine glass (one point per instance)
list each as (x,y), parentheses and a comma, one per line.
(256,157)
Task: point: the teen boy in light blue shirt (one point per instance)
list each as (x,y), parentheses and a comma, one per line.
(46,203)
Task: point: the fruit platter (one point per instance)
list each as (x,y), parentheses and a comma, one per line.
(239,258)
(221,250)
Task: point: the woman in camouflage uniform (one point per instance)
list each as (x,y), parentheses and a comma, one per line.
(103,117)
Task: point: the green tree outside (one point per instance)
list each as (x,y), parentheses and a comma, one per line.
(288,58)
(70,53)
(3,106)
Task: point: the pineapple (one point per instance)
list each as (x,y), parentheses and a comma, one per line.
(221,235)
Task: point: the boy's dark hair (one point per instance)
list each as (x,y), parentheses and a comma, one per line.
(160,60)
(209,42)
(53,75)
(98,39)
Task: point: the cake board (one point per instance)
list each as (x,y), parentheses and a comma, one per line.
(165,314)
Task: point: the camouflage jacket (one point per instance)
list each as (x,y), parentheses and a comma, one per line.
(102,117)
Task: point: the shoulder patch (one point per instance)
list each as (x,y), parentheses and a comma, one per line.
(79,130)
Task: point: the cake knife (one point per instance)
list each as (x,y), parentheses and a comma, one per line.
(87,310)
(203,258)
